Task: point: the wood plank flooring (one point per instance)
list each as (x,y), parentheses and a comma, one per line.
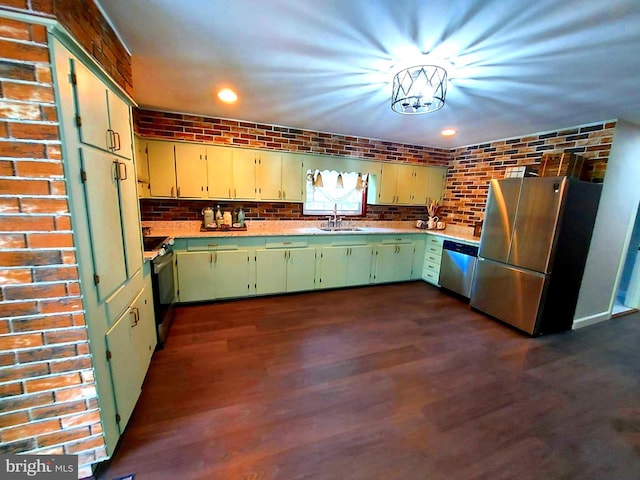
(385,382)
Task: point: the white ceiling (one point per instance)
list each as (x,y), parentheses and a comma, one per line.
(521,66)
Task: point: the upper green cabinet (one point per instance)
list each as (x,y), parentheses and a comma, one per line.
(191,170)
(398,184)
(280,176)
(162,171)
(102,117)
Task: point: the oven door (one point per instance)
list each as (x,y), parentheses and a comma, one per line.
(163,271)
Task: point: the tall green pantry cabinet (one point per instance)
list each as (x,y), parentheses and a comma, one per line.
(96,130)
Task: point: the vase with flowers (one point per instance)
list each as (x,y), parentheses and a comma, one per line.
(432,210)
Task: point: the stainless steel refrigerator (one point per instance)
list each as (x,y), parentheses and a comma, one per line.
(533,248)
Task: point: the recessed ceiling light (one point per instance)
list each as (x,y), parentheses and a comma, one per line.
(448,132)
(227,95)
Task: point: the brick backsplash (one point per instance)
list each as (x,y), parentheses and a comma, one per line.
(152,209)
(48,396)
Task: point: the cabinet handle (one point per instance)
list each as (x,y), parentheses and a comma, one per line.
(213,245)
(120,175)
(211,258)
(284,196)
(285,254)
(172,194)
(229,193)
(178,192)
(136,316)
(235,194)
(110,141)
(116,135)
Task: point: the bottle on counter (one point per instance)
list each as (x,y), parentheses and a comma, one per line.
(241,217)
(207,217)
(227,218)
(219,217)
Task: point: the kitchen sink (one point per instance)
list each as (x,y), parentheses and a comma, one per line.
(340,229)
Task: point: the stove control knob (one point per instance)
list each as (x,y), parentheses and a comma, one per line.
(161,251)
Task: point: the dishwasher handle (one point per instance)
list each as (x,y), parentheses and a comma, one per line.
(469,250)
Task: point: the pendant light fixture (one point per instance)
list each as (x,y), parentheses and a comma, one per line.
(419,89)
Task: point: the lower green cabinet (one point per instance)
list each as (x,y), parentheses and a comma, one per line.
(342,266)
(282,270)
(130,344)
(209,275)
(394,262)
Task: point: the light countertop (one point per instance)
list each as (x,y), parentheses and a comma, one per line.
(191,229)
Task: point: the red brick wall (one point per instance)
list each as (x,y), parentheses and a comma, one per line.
(48,399)
(472,167)
(87,25)
(172,210)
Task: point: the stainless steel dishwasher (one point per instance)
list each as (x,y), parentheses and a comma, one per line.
(457,267)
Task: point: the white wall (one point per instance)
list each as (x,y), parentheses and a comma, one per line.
(616,214)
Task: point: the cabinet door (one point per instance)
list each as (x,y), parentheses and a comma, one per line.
(132,235)
(394,262)
(196,276)
(231,273)
(271,271)
(145,337)
(291,177)
(162,171)
(419,190)
(270,185)
(388,181)
(191,170)
(404,262)
(142,162)
(120,123)
(219,172)
(436,177)
(404,185)
(301,269)
(91,108)
(244,175)
(359,266)
(333,267)
(105,226)
(130,343)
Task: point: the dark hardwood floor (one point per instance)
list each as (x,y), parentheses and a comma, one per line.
(386,382)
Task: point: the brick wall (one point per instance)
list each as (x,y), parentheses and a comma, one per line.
(87,25)
(471,168)
(48,399)
(173,210)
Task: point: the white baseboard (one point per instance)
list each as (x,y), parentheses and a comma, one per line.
(590,320)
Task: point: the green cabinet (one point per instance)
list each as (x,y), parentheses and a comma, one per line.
(102,117)
(213,274)
(394,261)
(398,184)
(162,171)
(280,176)
(191,170)
(280,270)
(342,266)
(130,344)
(110,193)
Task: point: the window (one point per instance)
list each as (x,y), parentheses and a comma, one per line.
(327,190)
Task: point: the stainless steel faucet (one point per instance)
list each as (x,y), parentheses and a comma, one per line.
(333,221)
